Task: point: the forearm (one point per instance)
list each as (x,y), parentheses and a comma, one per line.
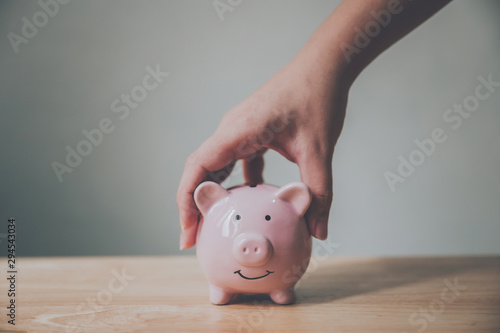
(359,30)
(299,112)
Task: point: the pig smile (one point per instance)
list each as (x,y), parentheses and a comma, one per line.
(253,278)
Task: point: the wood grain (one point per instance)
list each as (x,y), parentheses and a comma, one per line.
(170,294)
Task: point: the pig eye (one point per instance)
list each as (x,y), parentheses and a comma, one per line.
(238,217)
(268,217)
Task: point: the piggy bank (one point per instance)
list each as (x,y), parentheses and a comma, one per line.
(253,239)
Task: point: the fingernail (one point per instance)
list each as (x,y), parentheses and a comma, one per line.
(185,224)
(321,231)
(188,222)
(182,242)
(183,221)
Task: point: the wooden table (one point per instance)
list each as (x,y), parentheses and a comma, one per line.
(169,294)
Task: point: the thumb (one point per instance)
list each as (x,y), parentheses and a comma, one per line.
(316,173)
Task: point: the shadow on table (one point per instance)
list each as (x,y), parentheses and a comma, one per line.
(337,280)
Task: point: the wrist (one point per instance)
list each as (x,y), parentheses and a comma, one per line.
(323,57)
(322,63)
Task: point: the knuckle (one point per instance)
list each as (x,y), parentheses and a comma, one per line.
(325,198)
(180,198)
(187,208)
(191,160)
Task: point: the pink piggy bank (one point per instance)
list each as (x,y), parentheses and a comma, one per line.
(253,239)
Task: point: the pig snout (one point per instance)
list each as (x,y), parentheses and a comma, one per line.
(252,249)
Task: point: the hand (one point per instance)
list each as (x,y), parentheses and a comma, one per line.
(299,113)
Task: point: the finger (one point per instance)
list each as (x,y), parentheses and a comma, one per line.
(219,153)
(188,237)
(220,175)
(316,173)
(253,167)
(188,231)
(212,155)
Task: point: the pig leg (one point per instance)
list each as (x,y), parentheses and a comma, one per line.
(286,296)
(218,296)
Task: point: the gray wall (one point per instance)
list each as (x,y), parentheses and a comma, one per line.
(121,198)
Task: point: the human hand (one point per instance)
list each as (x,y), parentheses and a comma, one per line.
(299,113)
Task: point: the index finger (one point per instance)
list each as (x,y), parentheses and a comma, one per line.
(211,156)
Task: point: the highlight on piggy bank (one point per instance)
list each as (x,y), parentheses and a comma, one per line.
(253,239)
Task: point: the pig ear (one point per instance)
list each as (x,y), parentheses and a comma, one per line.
(207,194)
(297,194)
